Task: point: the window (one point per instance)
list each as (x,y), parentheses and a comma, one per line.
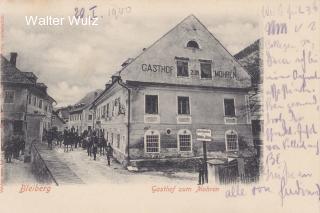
(151,104)
(193,44)
(46,108)
(182,69)
(90,117)
(229,109)
(9,97)
(104,111)
(118,141)
(183,106)
(231,140)
(40,104)
(206,71)
(34,101)
(152,141)
(29,99)
(248,110)
(184,140)
(17,127)
(111,138)
(107,110)
(256,127)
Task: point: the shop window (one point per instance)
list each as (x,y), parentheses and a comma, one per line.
(40,104)
(183,106)
(151,104)
(206,70)
(182,69)
(229,109)
(185,140)
(8,97)
(231,138)
(17,127)
(193,44)
(152,141)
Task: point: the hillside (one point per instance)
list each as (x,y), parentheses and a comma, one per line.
(249,58)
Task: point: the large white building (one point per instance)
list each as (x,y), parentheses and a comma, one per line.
(184,81)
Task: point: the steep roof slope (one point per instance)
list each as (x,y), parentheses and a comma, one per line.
(165,51)
(249,57)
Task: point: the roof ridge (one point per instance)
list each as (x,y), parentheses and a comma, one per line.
(155,42)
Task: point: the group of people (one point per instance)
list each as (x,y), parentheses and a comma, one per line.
(95,143)
(14,147)
(92,141)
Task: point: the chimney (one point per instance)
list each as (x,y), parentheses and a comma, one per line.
(13,58)
(95,94)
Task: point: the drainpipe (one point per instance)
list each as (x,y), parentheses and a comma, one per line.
(128,131)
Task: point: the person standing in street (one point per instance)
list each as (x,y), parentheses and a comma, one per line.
(109,151)
(94,145)
(8,150)
(201,171)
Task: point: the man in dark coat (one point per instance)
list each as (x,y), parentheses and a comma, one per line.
(109,151)
(201,171)
(94,146)
(8,147)
(95,150)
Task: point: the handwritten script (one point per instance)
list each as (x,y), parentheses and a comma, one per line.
(291,69)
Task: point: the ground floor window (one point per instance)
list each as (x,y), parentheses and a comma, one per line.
(152,141)
(17,127)
(231,140)
(185,140)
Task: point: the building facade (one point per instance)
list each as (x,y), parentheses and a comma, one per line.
(26,107)
(80,115)
(185,81)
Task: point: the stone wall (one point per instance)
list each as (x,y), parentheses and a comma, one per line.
(39,168)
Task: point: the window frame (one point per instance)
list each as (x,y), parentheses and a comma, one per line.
(234,106)
(192,40)
(211,65)
(189,99)
(156,132)
(35,101)
(228,132)
(30,99)
(248,108)
(40,102)
(158,104)
(182,60)
(13,98)
(180,132)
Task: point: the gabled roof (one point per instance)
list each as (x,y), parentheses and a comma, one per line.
(11,74)
(86,101)
(57,116)
(166,49)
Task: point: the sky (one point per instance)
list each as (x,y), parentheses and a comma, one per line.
(74,60)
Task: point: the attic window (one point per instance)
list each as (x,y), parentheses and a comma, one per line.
(193,44)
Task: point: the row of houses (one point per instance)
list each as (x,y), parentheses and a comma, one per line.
(152,107)
(26,107)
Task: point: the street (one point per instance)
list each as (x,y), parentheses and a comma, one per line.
(92,172)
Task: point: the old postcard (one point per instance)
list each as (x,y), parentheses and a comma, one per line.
(160,106)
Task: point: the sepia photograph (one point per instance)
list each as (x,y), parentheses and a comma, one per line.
(175,98)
